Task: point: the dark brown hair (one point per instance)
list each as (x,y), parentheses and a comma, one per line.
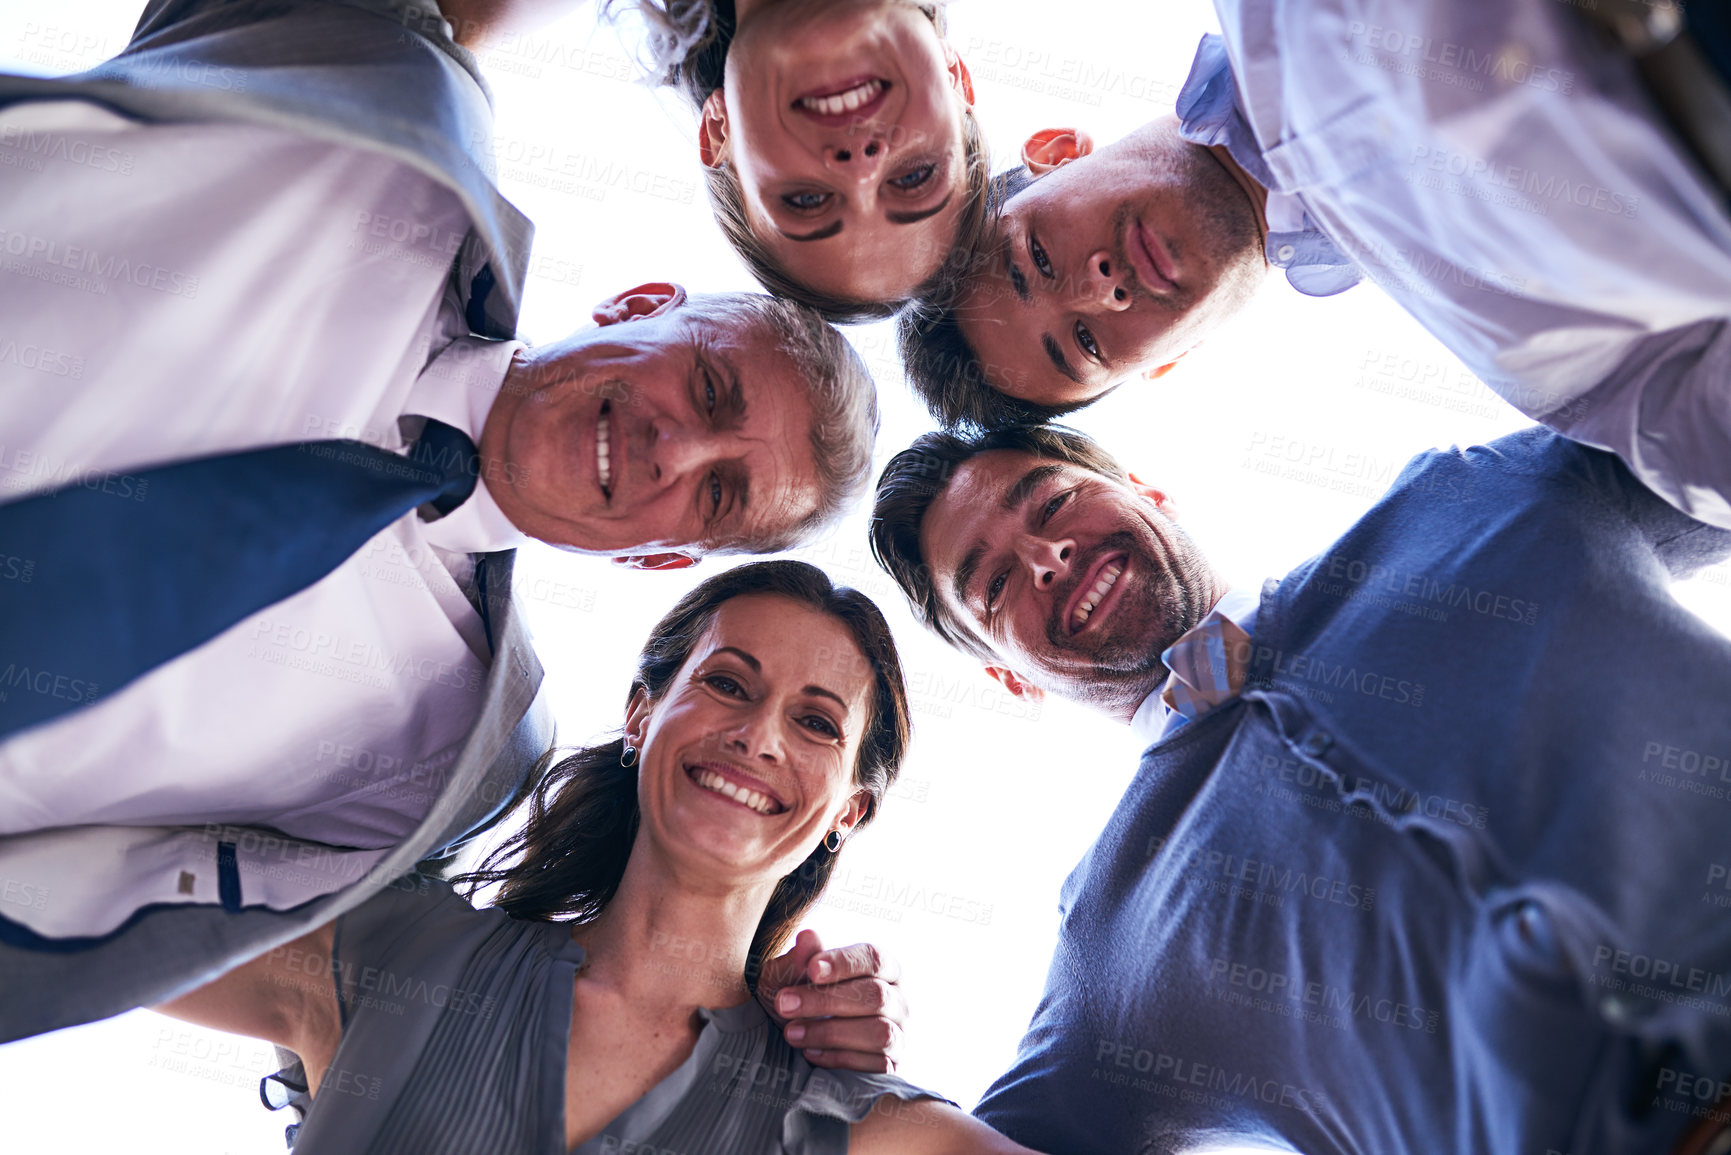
(915,477)
(568,859)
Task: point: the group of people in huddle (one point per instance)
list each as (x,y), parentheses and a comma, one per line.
(1456,902)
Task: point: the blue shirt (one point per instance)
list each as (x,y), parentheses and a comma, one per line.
(1440,877)
(1504,178)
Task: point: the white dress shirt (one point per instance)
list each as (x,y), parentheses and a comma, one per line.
(222,287)
(1507,181)
(1154,719)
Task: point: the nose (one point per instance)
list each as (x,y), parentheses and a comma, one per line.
(756,737)
(857,156)
(1047,560)
(674,450)
(1103,284)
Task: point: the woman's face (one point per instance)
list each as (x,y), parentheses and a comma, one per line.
(748,757)
(843,121)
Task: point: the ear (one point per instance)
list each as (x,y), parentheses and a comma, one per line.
(657,561)
(651,300)
(1160,371)
(1053,148)
(1163,503)
(852,813)
(960,78)
(1014,683)
(637,717)
(712,130)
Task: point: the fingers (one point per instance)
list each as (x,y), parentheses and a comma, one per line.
(854,999)
(861,960)
(875,1063)
(792,966)
(875,1039)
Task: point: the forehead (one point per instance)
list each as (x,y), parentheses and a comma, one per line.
(871,259)
(775,440)
(971,509)
(794,644)
(1007,336)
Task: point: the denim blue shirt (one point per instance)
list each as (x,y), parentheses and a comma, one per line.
(1442,878)
(1503,175)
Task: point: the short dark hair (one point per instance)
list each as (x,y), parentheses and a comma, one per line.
(940,364)
(915,477)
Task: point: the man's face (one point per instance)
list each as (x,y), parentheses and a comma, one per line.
(1114,263)
(1077,581)
(656,431)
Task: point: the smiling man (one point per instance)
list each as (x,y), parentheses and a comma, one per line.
(1346,902)
(1495,167)
(270,484)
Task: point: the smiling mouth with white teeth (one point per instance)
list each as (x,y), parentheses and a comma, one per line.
(1108,578)
(604,451)
(716,783)
(843,102)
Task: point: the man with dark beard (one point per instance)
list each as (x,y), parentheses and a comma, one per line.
(1421,852)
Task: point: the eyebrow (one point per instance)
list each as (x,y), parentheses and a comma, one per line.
(824,233)
(1015,496)
(1057,358)
(915,217)
(757,668)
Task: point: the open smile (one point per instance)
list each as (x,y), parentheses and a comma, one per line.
(604,450)
(735,786)
(1097,594)
(839,105)
(1154,265)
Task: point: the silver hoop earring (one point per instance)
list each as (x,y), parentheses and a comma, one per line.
(629,758)
(832,841)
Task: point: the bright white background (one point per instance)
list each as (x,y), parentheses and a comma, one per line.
(1273,437)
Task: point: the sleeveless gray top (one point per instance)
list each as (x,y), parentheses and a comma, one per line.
(456,1025)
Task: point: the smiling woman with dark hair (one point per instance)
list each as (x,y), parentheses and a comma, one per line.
(843,158)
(605,1003)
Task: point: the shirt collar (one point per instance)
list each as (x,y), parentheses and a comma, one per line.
(1151,722)
(458,387)
(1209,115)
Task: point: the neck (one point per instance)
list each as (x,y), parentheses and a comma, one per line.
(672,943)
(1253,190)
(1210,589)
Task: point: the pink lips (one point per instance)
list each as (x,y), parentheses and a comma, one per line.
(1154,266)
(739,778)
(843,119)
(1087,583)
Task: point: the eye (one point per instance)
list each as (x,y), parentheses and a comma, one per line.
(1085,341)
(914,177)
(1053,506)
(996,589)
(821,725)
(1038,256)
(725,684)
(714,494)
(805,202)
(708,393)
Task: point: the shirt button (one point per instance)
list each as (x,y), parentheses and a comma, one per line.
(1615,1010)
(1285,253)
(1318,743)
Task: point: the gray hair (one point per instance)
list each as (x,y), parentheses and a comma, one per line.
(843,397)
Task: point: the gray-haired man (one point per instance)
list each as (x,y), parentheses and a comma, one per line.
(268,227)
